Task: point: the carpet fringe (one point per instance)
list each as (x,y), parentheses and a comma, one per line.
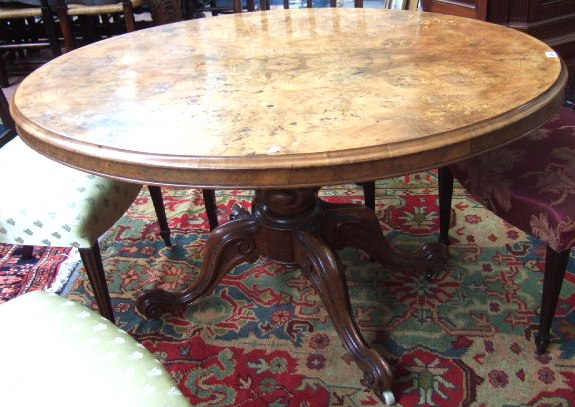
(65,271)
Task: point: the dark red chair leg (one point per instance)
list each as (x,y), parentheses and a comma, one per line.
(211,207)
(445,184)
(129,15)
(158,201)
(369,194)
(27,252)
(50,28)
(95,269)
(555,266)
(5,112)
(4,83)
(7,121)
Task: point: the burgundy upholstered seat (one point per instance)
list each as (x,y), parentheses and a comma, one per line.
(531,185)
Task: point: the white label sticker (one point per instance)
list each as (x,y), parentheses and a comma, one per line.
(274,149)
(551,54)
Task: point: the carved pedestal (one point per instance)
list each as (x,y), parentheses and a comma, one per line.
(295,227)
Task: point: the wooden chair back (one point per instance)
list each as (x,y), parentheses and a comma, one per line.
(83,24)
(24,27)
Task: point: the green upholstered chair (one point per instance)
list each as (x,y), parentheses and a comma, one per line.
(56,352)
(49,204)
(70,208)
(74,209)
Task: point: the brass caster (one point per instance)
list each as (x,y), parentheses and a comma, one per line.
(388,398)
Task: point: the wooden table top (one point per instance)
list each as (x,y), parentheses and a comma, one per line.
(289,98)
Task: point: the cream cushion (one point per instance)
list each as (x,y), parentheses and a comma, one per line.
(46,203)
(56,352)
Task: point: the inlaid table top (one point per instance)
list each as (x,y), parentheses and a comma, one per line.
(294,98)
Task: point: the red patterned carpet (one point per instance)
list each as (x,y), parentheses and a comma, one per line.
(49,269)
(464,338)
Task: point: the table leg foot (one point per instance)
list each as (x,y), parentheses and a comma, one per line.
(388,398)
(322,266)
(541,343)
(227,246)
(357,226)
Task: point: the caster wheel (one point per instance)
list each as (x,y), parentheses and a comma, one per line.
(388,398)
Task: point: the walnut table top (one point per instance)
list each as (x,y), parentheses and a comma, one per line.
(289,98)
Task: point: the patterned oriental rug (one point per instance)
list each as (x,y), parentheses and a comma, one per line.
(264,339)
(49,269)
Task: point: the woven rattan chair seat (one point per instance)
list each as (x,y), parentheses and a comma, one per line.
(82,9)
(10,11)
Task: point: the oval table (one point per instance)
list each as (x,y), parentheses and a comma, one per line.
(285,102)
